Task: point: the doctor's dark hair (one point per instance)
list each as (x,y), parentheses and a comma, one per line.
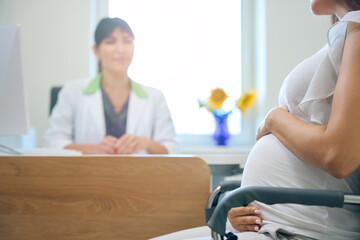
(107,25)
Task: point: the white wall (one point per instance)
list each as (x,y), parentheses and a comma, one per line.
(56,37)
(58,34)
(293,33)
(278,35)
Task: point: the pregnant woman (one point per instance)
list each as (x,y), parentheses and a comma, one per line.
(311,141)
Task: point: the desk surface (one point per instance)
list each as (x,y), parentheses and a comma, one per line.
(212,157)
(224,159)
(43,152)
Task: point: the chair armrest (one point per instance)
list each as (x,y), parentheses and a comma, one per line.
(216,193)
(271,195)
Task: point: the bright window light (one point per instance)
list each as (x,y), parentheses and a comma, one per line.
(185,48)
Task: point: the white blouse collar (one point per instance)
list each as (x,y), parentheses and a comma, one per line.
(322,85)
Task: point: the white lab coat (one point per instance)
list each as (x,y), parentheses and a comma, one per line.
(79,118)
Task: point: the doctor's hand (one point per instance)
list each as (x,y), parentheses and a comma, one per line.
(264,126)
(106,146)
(130,144)
(245,219)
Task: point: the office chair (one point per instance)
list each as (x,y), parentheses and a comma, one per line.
(217,208)
(54,96)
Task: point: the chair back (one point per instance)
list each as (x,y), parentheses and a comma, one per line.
(53,97)
(101,197)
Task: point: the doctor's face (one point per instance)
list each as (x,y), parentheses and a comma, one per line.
(116,51)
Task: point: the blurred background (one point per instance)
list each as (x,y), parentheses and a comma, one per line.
(184,48)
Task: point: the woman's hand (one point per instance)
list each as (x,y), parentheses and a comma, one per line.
(245,219)
(262,130)
(130,144)
(272,114)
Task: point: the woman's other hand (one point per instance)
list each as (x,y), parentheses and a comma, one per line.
(272,114)
(245,219)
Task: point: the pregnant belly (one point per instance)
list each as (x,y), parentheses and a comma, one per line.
(270,163)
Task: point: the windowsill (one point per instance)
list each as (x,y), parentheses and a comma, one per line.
(234,154)
(216,150)
(204,144)
(219,155)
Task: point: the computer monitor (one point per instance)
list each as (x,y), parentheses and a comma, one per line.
(14,118)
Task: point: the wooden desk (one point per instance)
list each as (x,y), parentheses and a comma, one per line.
(101,197)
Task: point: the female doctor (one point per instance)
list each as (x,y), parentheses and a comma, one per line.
(111,114)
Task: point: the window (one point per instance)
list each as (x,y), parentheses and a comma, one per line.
(185,48)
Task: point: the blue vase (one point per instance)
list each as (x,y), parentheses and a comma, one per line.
(221,135)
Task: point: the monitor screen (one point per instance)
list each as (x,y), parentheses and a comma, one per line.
(13,107)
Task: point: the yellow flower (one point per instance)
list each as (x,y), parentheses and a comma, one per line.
(218,96)
(246,100)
